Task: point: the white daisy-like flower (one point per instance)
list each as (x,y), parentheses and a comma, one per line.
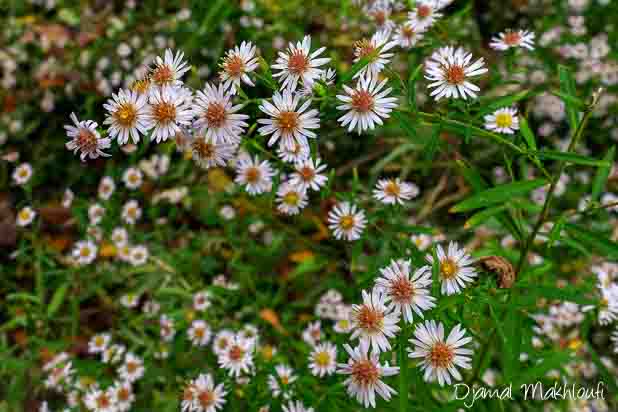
(120,236)
(424,14)
(291,198)
(207,154)
(22,174)
(323,359)
(199,333)
(513,38)
(280,383)
(449,70)
(313,333)
(299,65)
(138,255)
(96,213)
(206,396)
(167,330)
(308,174)
(439,357)
(132,178)
(255,175)
(376,51)
(131,212)
(366,375)
(84,252)
(406,292)
(106,188)
(201,301)
(113,354)
(86,139)
(237,357)
(98,343)
(217,117)
(130,300)
(422,241)
(123,393)
(169,70)
(222,341)
(393,191)
(289,122)
(373,321)
(408,35)
(25,216)
(292,406)
(236,66)
(347,221)
(126,116)
(132,369)
(97,400)
(608,310)
(503,120)
(169,109)
(366,105)
(456,268)
(380,13)
(298,153)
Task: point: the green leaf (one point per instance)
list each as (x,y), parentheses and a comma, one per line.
(600,178)
(572,158)
(357,67)
(554,360)
(512,342)
(593,240)
(412,87)
(567,87)
(57,299)
(482,216)
(526,133)
(573,100)
(498,194)
(504,101)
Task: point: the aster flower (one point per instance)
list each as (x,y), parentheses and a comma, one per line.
(138,255)
(289,122)
(97,400)
(408,35)
(291,199)
(424,14)
(123,393)
(96,213)
(295,407)
(513,38)
(84,252)
(167,71)
(86,139)
(298,153)
(608,311)
(132,178)
(199,333)
(392,191)
(376,50)
(237,357)
(440,357)
(169,109)
(236,66)
(25,216)
(207,154)
(503,120)
(323,359)
(255,175)
(204,395)
(313,333)
(22,174)
(366,375)
(346,221)
(98,343)
(455,268)
(280,383)
(299,65)
(106,188)
(373,322)
(380,13)
(201,301)
(222,341)
(366,105)
(405,293)
(126,116)
(132,368)
(449,70)
(131,212)
(308,174)
(217,116)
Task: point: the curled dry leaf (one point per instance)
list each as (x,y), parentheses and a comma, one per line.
(271,317)
(502,267)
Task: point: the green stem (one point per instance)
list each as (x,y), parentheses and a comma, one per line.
(403,370)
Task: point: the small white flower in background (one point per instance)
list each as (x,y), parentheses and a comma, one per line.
(67,198)
(97,400)
(308,174)
(227,212)
(84,252)
(424,14)
(202,395)
(280,383)
(291,198)
(132,178)
(503,120)
(323,359)
(120,236)
(223,339)
(440,357)
(96,213)
(289,123)
(86,139)
(98,343)
(366,373)
(407,35)
(124,396)
(22,174)
(608,310)
(138,255)
(132,368)
(294,407)
(449,69)
(106,188)
(169,109)
(380,13)
(201,301)
(346,221)
(237,357)
(151,307)
(206,153)
(392,191)
(511,39)
(421,240)
(313,333)
(375,49)
(167,330)
(255,175)
(405,291)
(366,104)
(113,353)
(217,117)
(610,198)
(131,212)
(373,321)
(199,333)
(299,65)
(614,338)
(298,153)
(236,66)
(25,216)
(169,70)
(126,116)
(456,268)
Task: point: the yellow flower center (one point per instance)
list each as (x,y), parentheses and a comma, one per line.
(126,115)
(322,359)
(504,120)
(448,269)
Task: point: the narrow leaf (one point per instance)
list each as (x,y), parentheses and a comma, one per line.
(600,178)
(498,194)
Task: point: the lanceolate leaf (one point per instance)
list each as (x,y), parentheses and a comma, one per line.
(572,158)
(594,240)
(498,194)
(567,87)
(527,133)
(602,174)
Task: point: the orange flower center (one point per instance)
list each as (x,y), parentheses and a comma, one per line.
(85,252)
(423,11)
(512,38)
(408,31)
(206,399)
(236,353)
(369,319)
(392,189)
(448,269)
(162,75)
(287,121)
(164,112)
(87,140)
(364,48)
(234,65)
(306,173)
(401,289)
(215,114)
(132,367)
(441,355)
(298,62)
(123,394)
(126,114)
(204,150)
(362,101)
(103,401)
(455,74)
(365,373)
(253,175)
(346,222)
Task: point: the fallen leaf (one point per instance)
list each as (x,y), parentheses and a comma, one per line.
(502,267)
